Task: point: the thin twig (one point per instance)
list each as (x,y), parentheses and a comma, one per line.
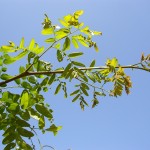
(51,46)
(32,129)
(33,146)
(48,146)
(93,85)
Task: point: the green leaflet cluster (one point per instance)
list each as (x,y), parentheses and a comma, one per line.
(16,110)
(38,76)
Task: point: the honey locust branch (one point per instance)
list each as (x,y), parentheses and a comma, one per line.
(30,73)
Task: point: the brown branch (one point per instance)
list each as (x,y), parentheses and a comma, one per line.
(24,74)
(14,78)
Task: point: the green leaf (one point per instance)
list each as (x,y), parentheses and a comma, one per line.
(5,96)
(34,47)
(38,50)
(80,72)
(97,77)
(69,74)
(9,130)
(59,56)
(66,71)
(8,139)
(9,48)
(78,63)
(24,99)
(6,49)
(63,23)
(47,31)
(2,109)
(92,63)
(18,81)
(95,103)
(32,79)
(82,105)
(82,99)
(23,145)
(99,93)
(96,48)
(96,32)
(80,25)
(75,54)
(85,86)
(21,69)
(47,22)
(84,91)
(78,13)
(45,89)
(26,85)
(45,81)
(54,129)
(105,72)
(83,42)
(4,69)
(34,114)
(65,90)
(22,123)
(8,59)
(66,45)
(90,76)
(76,97)
(118,88)
(43,110)
(1,60)
(67,18)
(32,99)
(5,77)
(58,89)
(10,146)
(50,40)
(31,45)
(21,43)
(75,43)
(51,80)
(83,77)
(41,122)
(57,46)
(114,62)
(11,44)
(62,33)
(25,115)
(21,55)
(43,66)
(86,31)
(24,132)
(75,92)
(13,106)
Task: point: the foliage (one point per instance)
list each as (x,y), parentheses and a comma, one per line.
(38,76)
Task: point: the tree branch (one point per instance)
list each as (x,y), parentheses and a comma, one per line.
(24,74)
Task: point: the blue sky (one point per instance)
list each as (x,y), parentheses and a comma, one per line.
(121,123)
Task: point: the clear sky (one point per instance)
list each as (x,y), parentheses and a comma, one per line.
(121,123)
